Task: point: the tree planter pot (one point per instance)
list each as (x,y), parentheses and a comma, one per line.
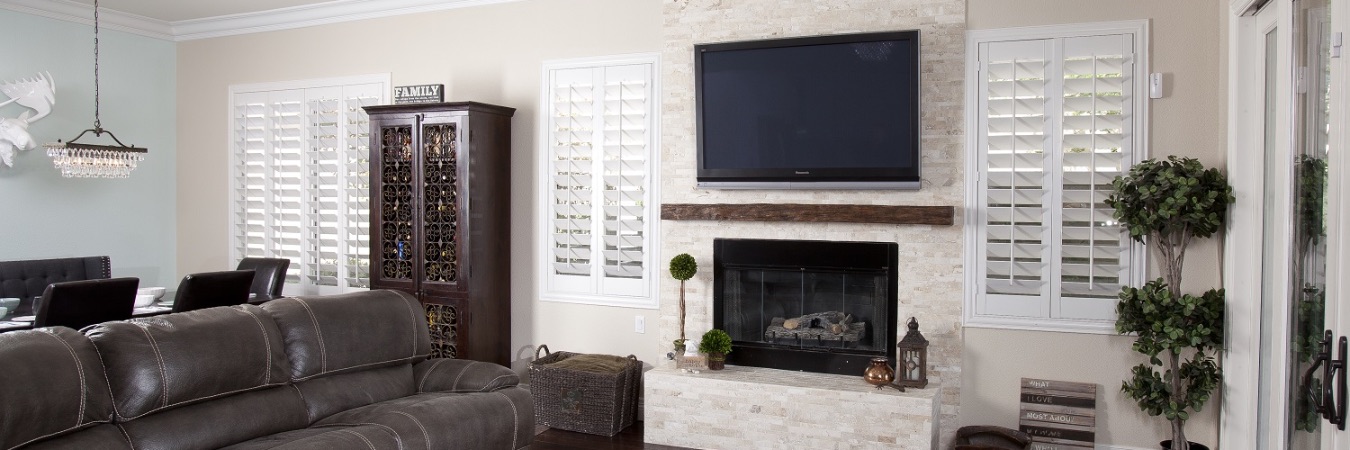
(1167,445)
(718,361)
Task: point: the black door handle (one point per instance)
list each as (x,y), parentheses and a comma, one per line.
(1331,401)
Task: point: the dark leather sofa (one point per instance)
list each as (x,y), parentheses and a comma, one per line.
(336,372)
(26,279)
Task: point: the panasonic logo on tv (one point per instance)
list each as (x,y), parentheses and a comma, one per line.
(799,172)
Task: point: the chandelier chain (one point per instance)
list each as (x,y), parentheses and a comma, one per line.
(98,126)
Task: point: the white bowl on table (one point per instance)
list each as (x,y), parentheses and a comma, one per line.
(155,294)
(143,300)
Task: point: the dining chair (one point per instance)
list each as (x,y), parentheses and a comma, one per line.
(210,289)
(269,275)
(78,304)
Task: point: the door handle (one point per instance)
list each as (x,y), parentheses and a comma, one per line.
(1331,401)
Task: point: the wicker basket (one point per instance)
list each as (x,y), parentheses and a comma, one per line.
(586,402)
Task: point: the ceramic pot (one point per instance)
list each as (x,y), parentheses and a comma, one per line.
(879,372)
(1167,445)
(717,361)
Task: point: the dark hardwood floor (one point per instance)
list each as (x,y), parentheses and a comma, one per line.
(629,438)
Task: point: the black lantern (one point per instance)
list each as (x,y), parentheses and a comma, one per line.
(912,367)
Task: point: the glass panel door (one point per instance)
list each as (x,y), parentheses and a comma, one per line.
(1310,151)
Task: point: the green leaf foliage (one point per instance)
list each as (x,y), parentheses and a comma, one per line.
(1168,326)
(1312,187)
(715,341)
(683,267)
(1165,197)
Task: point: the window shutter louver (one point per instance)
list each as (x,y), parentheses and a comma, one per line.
(302,181)
(599,139)
(1056,123)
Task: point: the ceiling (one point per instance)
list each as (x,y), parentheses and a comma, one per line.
(180,10)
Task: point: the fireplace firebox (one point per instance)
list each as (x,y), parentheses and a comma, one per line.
(814,306)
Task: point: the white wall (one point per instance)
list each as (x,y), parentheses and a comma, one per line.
(491,54)
(1187,46)
(129,220)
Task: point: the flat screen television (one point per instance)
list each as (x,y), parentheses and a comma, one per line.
(816,112)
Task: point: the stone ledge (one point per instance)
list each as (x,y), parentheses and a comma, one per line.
(751,407)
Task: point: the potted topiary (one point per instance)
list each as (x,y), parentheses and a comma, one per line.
(682,267)
(716,343)
(1165,204)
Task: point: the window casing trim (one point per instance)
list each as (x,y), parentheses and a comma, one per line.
(975,216)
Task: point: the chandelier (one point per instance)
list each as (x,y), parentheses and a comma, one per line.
(80,160)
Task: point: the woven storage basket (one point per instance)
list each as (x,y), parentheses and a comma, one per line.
(585,402)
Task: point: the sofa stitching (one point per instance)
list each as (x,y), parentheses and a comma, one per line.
(126,436)
(357,366)
(462,371)
(414,315)
(397,438)
(362,438)
(515,418)
(426,437)
(303,401)
(422,385)
(318,334)
(79,368)
(104,365)
(222,394)
(163,374)
(266,342)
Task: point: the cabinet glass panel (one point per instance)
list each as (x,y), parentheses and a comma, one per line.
(440,221)
(396,202)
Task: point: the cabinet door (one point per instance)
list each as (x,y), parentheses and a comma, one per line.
(443,158)
(393,199)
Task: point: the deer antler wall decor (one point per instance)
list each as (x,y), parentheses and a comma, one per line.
(37,94)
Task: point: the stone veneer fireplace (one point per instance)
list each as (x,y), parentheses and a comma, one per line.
(813,306)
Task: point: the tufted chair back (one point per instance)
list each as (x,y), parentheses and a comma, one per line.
(28,278)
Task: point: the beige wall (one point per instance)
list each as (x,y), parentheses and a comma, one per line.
(491,54)
(1187,46)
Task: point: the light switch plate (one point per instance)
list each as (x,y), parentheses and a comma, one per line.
(640,324)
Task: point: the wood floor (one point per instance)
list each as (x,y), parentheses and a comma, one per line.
(629,438)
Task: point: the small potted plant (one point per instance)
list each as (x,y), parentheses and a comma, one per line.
(682,267)
(716,343)
(1165,204)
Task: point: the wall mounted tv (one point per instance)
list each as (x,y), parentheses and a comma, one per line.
(822,112)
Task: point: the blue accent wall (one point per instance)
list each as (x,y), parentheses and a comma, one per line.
(43,215)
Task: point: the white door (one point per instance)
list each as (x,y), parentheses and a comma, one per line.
(1287,164)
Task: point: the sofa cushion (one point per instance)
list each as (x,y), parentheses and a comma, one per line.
(357,331)
(502,419)
(166,361)
(26,279)
(359,437)
(51,383)
(220,422)
(325,396)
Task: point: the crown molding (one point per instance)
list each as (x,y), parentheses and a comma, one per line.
(109,19)
(336,11)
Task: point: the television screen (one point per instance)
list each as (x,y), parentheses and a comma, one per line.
(830,109)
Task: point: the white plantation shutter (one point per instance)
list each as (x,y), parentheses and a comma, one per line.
(1056,120)
(301,179)
(599,135)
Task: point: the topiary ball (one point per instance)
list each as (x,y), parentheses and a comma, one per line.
(683,267)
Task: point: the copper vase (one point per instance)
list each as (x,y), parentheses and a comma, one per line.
(879,372)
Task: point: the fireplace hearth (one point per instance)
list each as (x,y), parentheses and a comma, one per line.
(814,306)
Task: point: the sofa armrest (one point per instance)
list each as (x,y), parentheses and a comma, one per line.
(460,375)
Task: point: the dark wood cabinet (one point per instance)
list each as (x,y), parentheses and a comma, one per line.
(440,195)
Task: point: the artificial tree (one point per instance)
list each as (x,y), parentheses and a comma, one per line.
(1165,204)
(682,267)
(716,343)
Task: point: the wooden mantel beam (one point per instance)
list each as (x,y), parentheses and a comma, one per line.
(794,212)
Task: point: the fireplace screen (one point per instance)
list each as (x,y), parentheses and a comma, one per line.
(817,306)
(799,308)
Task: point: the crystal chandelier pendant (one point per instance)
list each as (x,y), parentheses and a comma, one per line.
(77,160)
